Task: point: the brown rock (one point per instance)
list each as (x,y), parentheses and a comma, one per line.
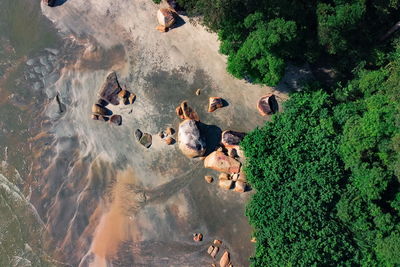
(217,242)
(198,237)
(132,98)
(185,112)
(225,184)
(169,131)
(95,117)
(198,91)
(231,138)
(267,105)
(214,252)
(225,259)
(209,179)
(110,89)
(166,17)
(191,142)
(210,249)
(220,162)
(123,94)
(215,103)
(235,177)
(161,28)
(99,110)
(223,176)
(116,119)
(240,187)
(169,140)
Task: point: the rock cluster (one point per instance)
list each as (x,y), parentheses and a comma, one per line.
(111,93)
(184,111)
(225,260)
(167,136)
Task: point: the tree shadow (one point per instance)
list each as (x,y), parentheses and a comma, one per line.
(212,134)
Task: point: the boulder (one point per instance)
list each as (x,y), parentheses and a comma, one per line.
(240,187)
(184,111)
(95,117)
(198,91)
(102,102)
(103,118)
(198,237)
(235,177)
(123,94)
(220,162)
(225,184)
(210,249)
(231,138)
(225,259)
(99,110)
(116,119)
(166,17)
(169,140)
(138,134)
(191,142)
(215,103)
(232,152)
(267,105)
(209,179)
(161,134)
(110,89)
(146,140)
(214,252)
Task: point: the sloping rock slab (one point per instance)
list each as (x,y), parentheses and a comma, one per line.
(191,142)
(110,89)
(231,138)
(220,162)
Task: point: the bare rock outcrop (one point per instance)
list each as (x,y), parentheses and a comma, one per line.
(191,142)
(220,162)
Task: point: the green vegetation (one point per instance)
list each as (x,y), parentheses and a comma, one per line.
(260,37)
(326,173)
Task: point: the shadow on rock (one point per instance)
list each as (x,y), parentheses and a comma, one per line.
(178,23)
(55,3)
(212,134)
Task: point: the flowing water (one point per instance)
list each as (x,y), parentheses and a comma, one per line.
(79,192)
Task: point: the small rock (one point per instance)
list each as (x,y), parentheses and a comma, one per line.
(123,94)
(161,134)
(253,240)
(170,131)
(215,103)
(223,176)
(95,117)
(102,102)
(161,28)
(225,184)
(214,252)
(225,259)
(138,134)
(99,110)
(132,98)
(210,249)
(198,91)
(103,118)
(240,187)
(198,237)
(146,140)
(116,119)
(169,140)
(235,177)
(217,242)
(209,179)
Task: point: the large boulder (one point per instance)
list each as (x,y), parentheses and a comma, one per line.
(220,162)
(231,138)
(267,105)
(191,142)
(166,17)
(110,89)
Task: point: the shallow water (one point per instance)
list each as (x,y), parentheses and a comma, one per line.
(78,192)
